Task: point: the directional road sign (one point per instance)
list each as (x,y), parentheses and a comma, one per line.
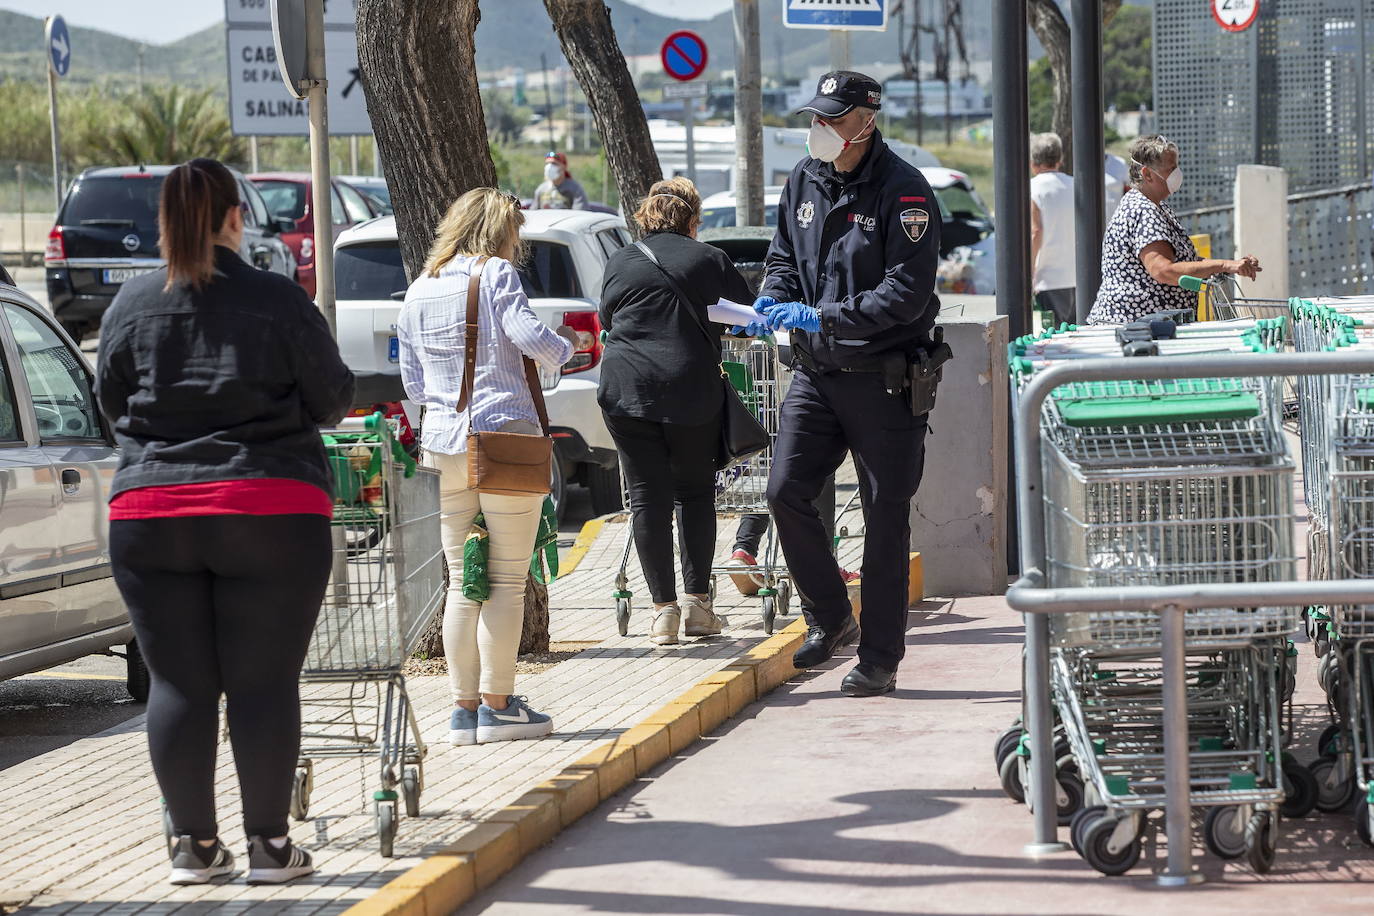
(59,45)
(684,55)
(869,15)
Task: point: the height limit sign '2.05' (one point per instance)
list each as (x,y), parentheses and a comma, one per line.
(259,103)
(1235,15)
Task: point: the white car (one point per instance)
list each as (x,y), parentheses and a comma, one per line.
(568,254)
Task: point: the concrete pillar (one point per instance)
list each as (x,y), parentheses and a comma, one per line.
(959,515)
(1261,229)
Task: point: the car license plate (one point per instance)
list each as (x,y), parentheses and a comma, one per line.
(116,275)
(393,350)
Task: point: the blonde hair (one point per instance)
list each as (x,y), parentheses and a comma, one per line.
(484,221)
(670,206)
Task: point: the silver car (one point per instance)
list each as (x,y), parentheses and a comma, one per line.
(57,459)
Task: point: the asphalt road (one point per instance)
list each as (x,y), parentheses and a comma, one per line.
(43,711)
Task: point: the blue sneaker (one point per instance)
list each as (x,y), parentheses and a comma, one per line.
(514,722)
(462,727)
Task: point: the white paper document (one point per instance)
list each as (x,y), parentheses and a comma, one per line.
(732,313)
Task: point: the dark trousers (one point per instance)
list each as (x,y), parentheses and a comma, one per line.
(667,466)
(1060,302)
(824,416)
(223,605)
(752,527)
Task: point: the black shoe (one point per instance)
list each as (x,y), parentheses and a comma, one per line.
(868,680)
(820,645)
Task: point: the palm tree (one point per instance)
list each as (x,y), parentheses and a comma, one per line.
(168,124)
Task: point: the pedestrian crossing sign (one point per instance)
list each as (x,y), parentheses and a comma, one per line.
(835,14)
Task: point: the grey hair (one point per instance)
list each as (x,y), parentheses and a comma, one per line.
(1046,150)
(1149,151)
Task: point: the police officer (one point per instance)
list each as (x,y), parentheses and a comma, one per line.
(851,273)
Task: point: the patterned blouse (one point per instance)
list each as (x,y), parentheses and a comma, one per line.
(1128,291)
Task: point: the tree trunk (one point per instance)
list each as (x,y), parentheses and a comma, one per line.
(420,75)
(534,635)
(1053,31)
(588,40)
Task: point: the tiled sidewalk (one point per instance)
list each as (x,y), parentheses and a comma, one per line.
(83,835)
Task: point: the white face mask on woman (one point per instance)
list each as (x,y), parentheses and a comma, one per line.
(1175,180)
(553,172)
(824,142)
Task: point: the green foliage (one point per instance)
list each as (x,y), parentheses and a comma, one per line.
(1126,60)
(1041,86)
(167,124)
(504,118)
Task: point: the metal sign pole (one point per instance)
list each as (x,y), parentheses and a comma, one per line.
(56,140)
(689,116)
(320,183)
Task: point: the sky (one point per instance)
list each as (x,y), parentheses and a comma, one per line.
(161,21)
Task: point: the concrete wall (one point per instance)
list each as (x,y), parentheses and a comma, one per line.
(1261,225)
(959,516)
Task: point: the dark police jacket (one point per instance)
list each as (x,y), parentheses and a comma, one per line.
(227,383)
(864,253)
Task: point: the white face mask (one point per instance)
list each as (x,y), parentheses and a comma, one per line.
(824,142)
(553,172)
(1175,180)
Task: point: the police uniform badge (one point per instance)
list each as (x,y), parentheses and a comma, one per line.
(805,214)
(914,222)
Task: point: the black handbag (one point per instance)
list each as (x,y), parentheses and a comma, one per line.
(742,436)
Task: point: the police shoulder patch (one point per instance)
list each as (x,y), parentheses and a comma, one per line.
(914,222)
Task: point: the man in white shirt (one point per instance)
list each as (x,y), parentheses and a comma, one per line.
(1118,179)
(1052,246)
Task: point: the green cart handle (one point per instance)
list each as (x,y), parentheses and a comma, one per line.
(1192,284)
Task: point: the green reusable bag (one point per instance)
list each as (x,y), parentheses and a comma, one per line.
(544,562)
(476,551)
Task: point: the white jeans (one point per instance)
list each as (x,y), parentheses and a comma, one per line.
(481,640)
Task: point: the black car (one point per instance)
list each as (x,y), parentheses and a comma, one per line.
(106,233)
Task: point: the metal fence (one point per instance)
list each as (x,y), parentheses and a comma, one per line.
(1330,239)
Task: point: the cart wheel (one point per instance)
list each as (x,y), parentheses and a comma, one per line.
(1326,740)
(1006,743)
(1299,789)
(386,827)
(785,597)
(411,786)
(1010,772)
(301,787)
(1290,682)
(1362,826)
(1260,835)
(1334,790)
(1081,820)
(1224,837)
(622,615)
(1096,839)
(1072,787)
(770,613)
(711,589)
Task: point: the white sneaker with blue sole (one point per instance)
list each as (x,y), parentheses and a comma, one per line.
(462,727)
(513,723)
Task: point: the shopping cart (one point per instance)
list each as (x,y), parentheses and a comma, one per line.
(1155,483)
(386,585)
(1223,295)
(757,375)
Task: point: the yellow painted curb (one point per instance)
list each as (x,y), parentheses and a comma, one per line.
(591,530)
(446,881)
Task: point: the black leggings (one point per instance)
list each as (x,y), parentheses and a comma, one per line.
(223,604)
(667,465)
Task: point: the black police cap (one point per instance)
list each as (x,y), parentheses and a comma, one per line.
(841,91)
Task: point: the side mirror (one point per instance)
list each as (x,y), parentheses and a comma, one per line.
(284,224)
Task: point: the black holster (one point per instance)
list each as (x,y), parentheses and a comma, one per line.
(925,371)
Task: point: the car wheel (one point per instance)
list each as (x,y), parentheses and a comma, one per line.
(604,484)
(137,679)
(558,487)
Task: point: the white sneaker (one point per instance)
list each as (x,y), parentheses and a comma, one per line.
(666,621)
(701,619)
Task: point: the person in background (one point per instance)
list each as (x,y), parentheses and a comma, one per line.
(559,191)
(478,241)
(1117,176)
(1052,232)
(1146,250)
(215,377)
(662,397)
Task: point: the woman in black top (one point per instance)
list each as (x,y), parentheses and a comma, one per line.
(662,396)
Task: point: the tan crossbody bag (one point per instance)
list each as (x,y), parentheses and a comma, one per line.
(508,464)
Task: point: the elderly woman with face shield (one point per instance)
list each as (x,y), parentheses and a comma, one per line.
(1145,250)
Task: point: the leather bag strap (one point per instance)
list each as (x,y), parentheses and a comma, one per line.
(470,356)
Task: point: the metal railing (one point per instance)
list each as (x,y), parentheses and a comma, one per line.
(1030,596)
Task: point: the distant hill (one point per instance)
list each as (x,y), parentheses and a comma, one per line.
(102,58)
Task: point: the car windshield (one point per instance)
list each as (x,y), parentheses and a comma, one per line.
(380,194)
(720,217)
(961,203)
(369,271)
(131,201)
(548,272)
(286,199)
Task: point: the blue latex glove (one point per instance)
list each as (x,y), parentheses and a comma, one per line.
(753,329)
(763,303)
(794,316)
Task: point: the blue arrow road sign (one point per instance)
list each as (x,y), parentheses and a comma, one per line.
(835,14)
(59,46)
